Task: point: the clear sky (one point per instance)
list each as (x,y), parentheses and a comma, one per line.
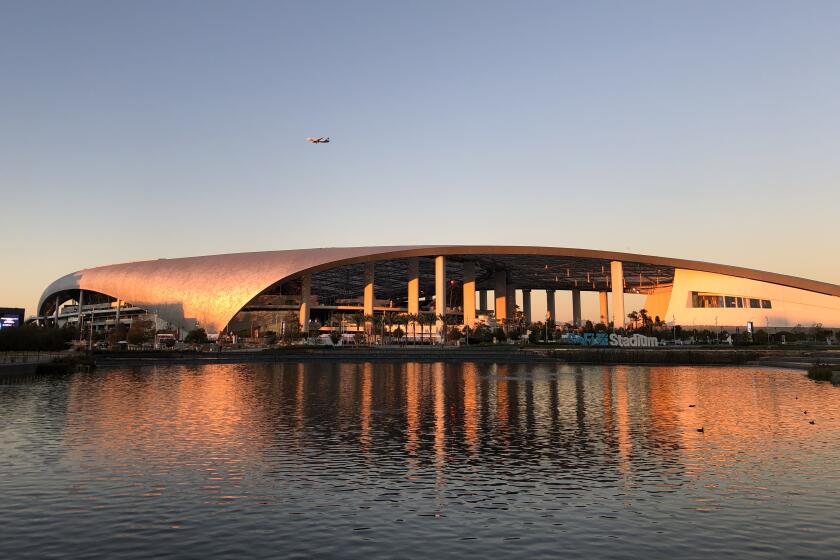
(138,130)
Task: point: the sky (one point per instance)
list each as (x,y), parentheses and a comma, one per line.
(140,130)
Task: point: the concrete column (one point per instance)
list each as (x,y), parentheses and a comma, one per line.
(617,280)
(500,289)
(469,293)
(526,305)
(81,302)
(369,279)
(551,305)
(117,319)
(603,299)
(482,301)
(576,308)
(414,286)
(305,293)
(510,300)
(440,289)
(56,312)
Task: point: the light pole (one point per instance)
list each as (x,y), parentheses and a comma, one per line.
(767,326)
(674,322)
(90,338)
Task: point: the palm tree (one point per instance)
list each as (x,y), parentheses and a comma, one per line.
(644,317)
(423,319)
(359,320)
(412,318)
(370,321)
(336,320)
(389,319)
(430,321)
(406,320)
(633,316)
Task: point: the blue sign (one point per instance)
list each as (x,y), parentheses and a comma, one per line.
(589,339)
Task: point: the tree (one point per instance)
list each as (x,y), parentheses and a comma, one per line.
(431,320)
(500,334)
(634,317)
(359,320)
(140,331)
(536,331)
(443,321)
(402,322)
(421,320)
(196,336)
(32,338)
(412,318)
(644,317)
(371,321)
(336,321)
(388,322)
(335,337)
(292,330)
(117,334)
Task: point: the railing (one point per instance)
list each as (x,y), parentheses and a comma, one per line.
(28,357)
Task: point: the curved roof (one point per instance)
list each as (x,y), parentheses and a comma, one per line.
(212,289)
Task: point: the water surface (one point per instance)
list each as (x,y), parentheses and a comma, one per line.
(419,460)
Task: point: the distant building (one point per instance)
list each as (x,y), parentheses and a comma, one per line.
(271,290)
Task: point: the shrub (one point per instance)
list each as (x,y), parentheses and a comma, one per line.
(35,338)
(822,372)
(499,334)
(196,336)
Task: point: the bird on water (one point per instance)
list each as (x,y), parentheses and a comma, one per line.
(701,430)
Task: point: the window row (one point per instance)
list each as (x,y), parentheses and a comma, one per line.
(699,299)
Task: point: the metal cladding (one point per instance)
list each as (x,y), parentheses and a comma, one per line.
(210,290)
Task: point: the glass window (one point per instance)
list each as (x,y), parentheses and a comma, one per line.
(705,300)
(740,302)
(755,303)
(729,300)
(765,304)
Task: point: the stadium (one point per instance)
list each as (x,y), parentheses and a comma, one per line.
(462,285)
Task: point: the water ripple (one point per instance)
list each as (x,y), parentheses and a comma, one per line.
(417,460)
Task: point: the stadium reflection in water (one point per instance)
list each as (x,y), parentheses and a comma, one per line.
(367,460)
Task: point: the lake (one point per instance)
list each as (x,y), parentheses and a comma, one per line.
(413,460)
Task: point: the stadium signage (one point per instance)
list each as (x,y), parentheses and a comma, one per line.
(617,340)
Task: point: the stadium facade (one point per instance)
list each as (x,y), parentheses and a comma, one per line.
(474,283)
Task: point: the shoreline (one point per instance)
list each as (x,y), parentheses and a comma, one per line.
(798,359)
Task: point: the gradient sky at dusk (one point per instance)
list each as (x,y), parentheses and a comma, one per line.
(138,130)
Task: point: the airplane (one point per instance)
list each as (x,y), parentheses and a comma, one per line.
(322,140)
